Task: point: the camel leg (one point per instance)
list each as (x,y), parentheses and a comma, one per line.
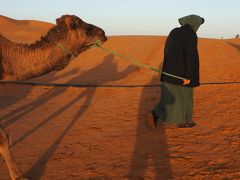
(15,173)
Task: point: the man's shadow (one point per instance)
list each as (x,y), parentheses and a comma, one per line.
(151,146)
(101,77)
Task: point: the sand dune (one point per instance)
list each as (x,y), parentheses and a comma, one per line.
(23,31)
(102,133)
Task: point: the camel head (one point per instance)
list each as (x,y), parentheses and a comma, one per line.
(80,34)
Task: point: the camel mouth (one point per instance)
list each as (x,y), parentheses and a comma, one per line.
(103,40)
(85,48)
(90,45)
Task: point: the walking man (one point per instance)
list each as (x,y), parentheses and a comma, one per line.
(180,59)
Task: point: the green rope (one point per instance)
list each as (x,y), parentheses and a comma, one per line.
(97,44)
(59,45)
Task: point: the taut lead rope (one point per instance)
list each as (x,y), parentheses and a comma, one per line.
(97,44)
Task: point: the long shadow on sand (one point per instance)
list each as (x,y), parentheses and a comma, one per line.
(23,91)
(100,75)
(150,156)
(237,46)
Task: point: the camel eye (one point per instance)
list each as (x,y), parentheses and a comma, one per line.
(89,30)
(74,25)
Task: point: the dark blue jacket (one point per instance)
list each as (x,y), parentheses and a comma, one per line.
(181,56)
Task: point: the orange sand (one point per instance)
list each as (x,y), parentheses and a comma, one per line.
(72,133)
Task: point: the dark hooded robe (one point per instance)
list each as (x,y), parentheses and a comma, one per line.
(180,59)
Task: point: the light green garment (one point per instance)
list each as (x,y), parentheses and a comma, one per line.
(193,20)
(176,104)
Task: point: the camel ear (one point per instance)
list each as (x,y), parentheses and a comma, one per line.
(60,20)
(68,20)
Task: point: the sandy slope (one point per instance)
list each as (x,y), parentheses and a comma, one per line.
(102,133)
(23,31)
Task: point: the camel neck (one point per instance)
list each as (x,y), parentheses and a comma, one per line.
(26,62)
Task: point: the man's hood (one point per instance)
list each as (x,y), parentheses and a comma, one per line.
(193,20)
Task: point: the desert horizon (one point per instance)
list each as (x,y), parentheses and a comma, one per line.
(102,133)
(46,25)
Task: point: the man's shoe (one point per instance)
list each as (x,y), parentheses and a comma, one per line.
(191,124)
(187,125)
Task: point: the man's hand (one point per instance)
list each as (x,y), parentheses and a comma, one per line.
(186,81)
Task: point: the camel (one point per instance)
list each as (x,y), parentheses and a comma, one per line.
(23,61)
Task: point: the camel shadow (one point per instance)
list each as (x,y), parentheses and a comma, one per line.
(101,77)
(12,94)
(93,76)
(234,45)
(151,147)
(20,112)
(12,98)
